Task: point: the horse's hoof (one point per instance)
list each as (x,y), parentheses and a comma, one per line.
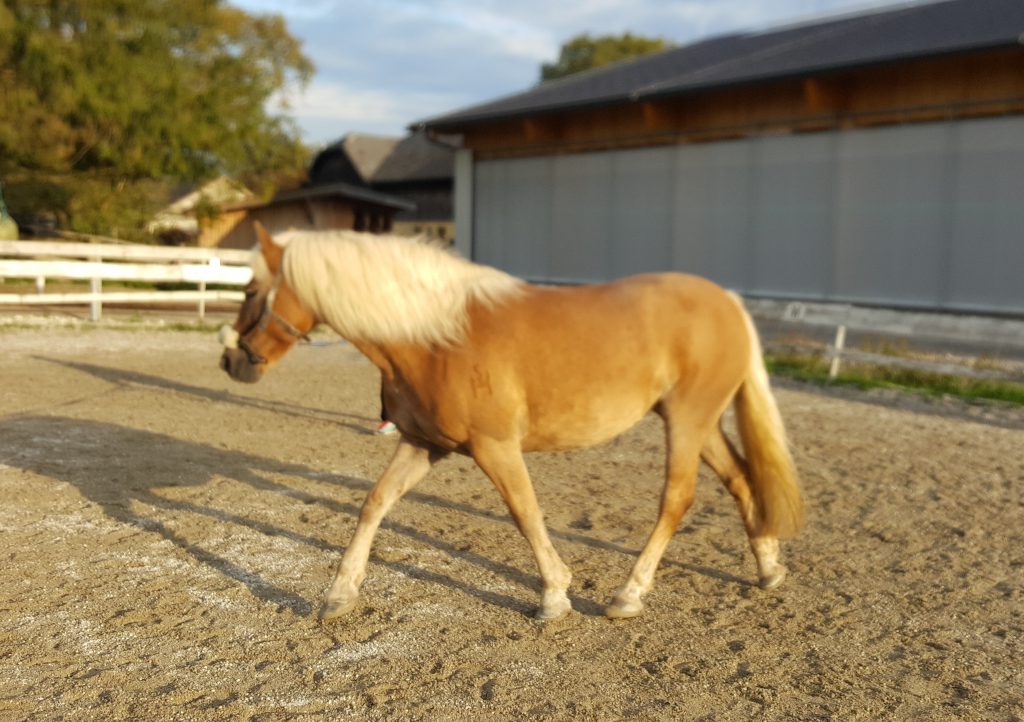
(332,610)
(551,612)
(621,609)
(773,579)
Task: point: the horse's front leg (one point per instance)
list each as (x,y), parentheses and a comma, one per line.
(503,464)
(409,465)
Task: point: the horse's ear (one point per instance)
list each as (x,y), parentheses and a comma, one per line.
(271,251)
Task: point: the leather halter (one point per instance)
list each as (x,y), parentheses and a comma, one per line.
(263,322)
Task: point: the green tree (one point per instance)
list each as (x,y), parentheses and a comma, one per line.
(102,96)
(584,52)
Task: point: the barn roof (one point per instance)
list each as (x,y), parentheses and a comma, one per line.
(367,152)
(417,157)
(342,190)
(906,32)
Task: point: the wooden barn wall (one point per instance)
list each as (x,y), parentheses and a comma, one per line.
(961,86)
(924,215)
(234,228)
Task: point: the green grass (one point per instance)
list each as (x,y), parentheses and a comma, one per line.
(861,376)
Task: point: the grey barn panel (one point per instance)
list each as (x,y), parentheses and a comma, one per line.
(641,211)
(514,224)
(892,208)
(710,211)
(923,215)
(987,253)
(488,242)
(791,203)
(581,224)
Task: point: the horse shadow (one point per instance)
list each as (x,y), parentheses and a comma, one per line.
(127,487)
(123,378)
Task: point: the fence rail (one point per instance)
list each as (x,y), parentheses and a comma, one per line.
(96,263)
(984,331)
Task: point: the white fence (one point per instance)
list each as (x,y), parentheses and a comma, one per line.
(981,332)
(42,260)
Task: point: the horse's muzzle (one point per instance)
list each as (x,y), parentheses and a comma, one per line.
(236,362)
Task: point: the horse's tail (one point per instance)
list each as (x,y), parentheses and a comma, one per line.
(778,509)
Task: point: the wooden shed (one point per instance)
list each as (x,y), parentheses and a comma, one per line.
(335,205)
(873,158)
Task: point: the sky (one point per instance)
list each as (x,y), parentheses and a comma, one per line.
(382,65)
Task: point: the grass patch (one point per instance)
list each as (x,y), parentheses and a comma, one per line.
(814,369)
(140,324)
(134,322)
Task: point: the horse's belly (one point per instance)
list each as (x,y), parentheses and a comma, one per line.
(582,421)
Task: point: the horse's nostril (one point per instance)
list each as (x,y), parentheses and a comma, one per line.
(225,365)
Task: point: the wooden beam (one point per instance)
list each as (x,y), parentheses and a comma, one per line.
(84,270)
(124,252)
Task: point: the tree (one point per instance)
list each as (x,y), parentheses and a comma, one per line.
(124,92)
(584,52)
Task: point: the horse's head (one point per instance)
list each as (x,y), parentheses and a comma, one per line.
(270,321)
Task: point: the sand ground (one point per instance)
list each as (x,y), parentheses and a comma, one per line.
(168,534)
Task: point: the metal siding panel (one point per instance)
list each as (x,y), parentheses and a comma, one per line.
(711,211)
(641,216)
(889,214)
(514,197)
(488,236)
(924,215)
(791,229)
(464,202)
(581,227)
(987,264)
(527,213)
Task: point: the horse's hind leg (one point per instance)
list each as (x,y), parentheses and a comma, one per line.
(676,498)
(722,457)
(409,465)
(503,464)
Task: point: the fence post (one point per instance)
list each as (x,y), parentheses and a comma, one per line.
(837,349)
(96,287)
(214,263)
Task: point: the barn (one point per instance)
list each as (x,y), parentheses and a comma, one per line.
(416,169)
(874,158)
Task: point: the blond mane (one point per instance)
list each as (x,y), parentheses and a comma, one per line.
(387,289)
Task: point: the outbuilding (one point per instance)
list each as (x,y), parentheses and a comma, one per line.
(873,158)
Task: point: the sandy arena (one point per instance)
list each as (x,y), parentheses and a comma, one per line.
(168,535)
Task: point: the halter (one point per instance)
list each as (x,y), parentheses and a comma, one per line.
(269,315)
(232,339)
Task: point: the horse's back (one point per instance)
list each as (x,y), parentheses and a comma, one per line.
(641,314)
(587,362)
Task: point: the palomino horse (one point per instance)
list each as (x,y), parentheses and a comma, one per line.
(477,362)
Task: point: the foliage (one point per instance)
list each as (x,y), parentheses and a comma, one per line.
(100,96)
(93,203)
(585,52)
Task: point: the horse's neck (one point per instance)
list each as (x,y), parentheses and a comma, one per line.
(394,360)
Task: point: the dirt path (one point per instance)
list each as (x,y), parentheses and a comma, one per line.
(167,536)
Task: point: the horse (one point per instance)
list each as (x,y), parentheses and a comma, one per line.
(474,361)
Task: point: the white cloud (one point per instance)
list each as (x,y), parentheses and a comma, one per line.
(328,110)
(382,65)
